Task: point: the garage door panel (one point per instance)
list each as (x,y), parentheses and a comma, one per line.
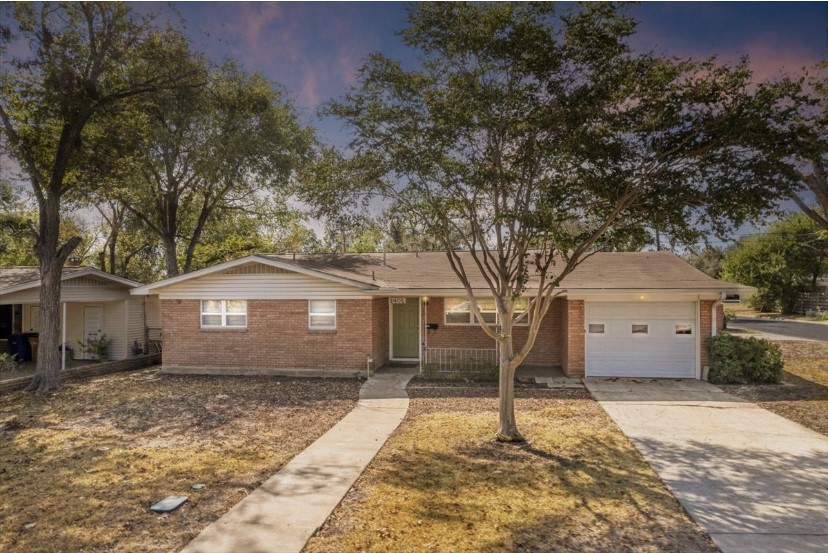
(658,353)
(626,311)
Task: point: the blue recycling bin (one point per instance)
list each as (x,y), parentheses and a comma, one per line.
(19,347)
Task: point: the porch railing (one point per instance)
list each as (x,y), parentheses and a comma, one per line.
(475,361)
(812,302)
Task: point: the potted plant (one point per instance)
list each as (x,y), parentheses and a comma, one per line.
(97,348)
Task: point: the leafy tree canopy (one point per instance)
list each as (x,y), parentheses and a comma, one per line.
(533,133)
(780,263)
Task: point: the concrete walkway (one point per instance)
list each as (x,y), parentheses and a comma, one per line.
(284,512)
(753,480)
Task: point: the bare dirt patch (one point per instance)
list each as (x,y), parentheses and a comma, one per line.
(803,394)
(80,468)
(441,483)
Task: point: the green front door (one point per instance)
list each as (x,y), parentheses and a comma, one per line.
(405,328)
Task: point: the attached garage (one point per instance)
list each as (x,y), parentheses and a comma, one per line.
(656,340)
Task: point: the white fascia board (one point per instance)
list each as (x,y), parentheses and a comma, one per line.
(151,288)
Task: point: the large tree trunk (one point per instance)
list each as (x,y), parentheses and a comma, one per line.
(170,256)
(47,370)
(507,431)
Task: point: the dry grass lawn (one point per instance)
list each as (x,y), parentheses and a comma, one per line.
(803,395)
(442,484)
(84,465)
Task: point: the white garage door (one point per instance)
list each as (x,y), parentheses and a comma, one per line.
(641,339)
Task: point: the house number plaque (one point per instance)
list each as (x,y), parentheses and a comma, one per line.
(397,300)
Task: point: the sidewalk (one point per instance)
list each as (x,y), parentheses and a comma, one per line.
(284,512)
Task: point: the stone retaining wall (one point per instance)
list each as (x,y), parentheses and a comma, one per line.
(95,369)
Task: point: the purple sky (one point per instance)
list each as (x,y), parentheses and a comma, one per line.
(315,49)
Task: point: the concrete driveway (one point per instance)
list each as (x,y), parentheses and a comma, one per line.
(751,479)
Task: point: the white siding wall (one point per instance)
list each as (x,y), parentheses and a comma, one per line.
(286,285)
(114,314)
(114,326)
(135,323)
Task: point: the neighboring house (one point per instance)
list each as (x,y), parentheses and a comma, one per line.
(93,303)
(621,314)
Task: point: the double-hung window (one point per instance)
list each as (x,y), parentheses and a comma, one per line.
(322,314)
(223,314)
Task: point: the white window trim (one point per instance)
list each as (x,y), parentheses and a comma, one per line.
(318,327)
(634,323)
(223,314)
(684,336)
(472,322)
(596,333)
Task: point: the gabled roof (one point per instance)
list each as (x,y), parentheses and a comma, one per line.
(378,272)
(273,261)
(14,279)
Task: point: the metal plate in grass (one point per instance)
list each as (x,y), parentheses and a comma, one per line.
(169,504)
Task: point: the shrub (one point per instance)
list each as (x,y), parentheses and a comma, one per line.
(7,362)
(98,348)
(737,360)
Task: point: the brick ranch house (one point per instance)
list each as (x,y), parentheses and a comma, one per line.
(643,314)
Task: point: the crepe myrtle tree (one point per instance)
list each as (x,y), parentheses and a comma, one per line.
(84,61)
(536,135)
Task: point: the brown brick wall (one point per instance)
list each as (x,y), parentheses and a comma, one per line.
(379,314)
(276,337)
(574,346)
(546,351)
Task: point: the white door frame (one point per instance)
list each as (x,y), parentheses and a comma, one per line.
(391,331)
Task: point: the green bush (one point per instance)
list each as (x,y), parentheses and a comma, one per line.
(7,362)
(737,360)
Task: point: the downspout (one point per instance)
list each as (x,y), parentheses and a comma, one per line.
(713,314)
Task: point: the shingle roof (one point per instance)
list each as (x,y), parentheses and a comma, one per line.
(431,270)
(14,276)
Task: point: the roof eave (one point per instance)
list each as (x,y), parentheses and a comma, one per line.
(149,289)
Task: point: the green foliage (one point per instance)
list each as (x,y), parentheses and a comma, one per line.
(811,147)
(229,148)
(781,263)
(98,348)
(8,363)
(535,134)
(737,360)
(707,260)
